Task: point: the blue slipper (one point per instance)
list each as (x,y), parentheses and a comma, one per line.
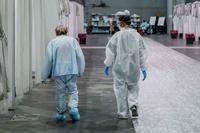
(60,117)
(74,114)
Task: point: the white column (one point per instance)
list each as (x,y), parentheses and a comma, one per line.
(169,14)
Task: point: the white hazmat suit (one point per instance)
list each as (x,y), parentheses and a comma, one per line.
(127,54)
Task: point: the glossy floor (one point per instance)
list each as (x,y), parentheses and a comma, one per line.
(169,98)
(179,45)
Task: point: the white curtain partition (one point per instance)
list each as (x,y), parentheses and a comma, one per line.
(38,37)
(63,12)
(35,21)
(22,47)
(44,20)
(81,19)
(6,53)
(3,50)
(35,24)
(76,19)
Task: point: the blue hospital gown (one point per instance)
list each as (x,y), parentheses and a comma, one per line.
(63,57)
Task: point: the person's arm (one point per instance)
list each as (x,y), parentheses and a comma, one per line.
(143,54)
(48,63)
(80,58)
(143,57)
(111,51)
(110,54)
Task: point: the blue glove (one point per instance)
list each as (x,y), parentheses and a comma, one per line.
(106,71)
(144,74)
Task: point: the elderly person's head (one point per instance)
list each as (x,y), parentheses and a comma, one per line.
(61,30)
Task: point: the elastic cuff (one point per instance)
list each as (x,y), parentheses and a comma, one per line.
(143,68)
(107,63)
(62,113)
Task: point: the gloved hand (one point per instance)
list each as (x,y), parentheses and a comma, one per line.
(144,75)
(106,71)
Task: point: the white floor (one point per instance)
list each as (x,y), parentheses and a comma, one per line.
(170,97)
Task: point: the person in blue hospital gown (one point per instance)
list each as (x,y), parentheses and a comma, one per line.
(65,62)
(127,54)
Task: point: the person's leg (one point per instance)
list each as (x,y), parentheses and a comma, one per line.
(120,89)
(73,97)
(133,93)
(72,91)
(60,97)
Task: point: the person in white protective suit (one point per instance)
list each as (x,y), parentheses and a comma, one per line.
(64,61)
(127,54)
